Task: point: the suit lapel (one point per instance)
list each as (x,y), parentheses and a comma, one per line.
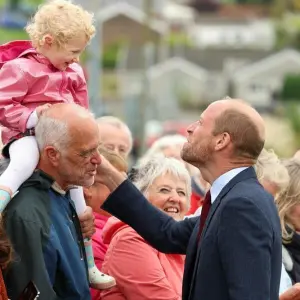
(244,175)
(212,211)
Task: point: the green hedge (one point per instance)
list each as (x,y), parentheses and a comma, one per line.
(7,35)
(110,56)
(291,88)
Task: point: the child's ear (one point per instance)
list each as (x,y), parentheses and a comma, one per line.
(47,41)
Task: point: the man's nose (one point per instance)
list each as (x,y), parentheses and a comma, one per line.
(96,159)
(190,128)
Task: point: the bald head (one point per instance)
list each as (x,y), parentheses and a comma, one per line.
(68,139)
(61,122)
(243,108)
(242,122)
(68,113)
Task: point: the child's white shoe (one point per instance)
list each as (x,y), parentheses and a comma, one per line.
(99,280)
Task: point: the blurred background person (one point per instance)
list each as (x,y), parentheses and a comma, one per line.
(95,195)
(115,135)
(288,203)
(271,172)
(170,146)
(6,251)
(5,259)
(274,177)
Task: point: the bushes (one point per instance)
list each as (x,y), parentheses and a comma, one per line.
(291,88)
(110,56)
(7,35)
(290,97)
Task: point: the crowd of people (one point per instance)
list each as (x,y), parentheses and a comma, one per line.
(213,215)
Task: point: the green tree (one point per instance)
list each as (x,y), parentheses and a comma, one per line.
(293,115)
(290,97)
(110,56)
(288,31)
(254,1)
(14,4)
(290,90)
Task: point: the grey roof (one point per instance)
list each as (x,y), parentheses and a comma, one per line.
(210,59)
(220,20)
(156,5)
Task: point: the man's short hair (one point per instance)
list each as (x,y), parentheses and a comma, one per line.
(51,131)
(243,132)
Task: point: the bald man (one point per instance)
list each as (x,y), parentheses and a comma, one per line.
(233,251)
(41,220)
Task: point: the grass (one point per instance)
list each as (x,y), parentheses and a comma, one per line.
(7,35)
(23,2)
(16,34)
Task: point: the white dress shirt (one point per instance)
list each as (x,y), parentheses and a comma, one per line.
(217,187)
(222,181)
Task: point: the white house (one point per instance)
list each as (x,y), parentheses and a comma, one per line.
(258,82)
(225,32)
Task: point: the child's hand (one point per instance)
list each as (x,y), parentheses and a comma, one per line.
(40,109)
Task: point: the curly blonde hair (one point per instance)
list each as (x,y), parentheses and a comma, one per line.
(61,19)
(269,167)
(288,198)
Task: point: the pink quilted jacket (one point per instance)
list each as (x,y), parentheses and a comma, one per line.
(28,80)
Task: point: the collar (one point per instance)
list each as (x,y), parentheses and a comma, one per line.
(38,57)
(221,181)
(46,181)
(56,187)
(100,217)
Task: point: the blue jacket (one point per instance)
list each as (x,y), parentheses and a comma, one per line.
(239,255)
(44,229)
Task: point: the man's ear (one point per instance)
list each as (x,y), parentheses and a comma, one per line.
(53,155)
(223,141)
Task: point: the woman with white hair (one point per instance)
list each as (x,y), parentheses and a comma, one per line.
(170,146)
(141,271)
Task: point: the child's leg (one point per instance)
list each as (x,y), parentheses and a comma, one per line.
(98,280)
(24,157)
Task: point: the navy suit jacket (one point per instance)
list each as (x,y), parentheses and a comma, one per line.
(239,254)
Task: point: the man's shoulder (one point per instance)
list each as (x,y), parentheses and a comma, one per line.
(250,189)
(249,194)
(30,204)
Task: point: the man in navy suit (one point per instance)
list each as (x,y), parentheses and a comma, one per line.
(233,251)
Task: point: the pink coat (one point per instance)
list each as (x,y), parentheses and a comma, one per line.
(28,80)
(141,271)
(99,248)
